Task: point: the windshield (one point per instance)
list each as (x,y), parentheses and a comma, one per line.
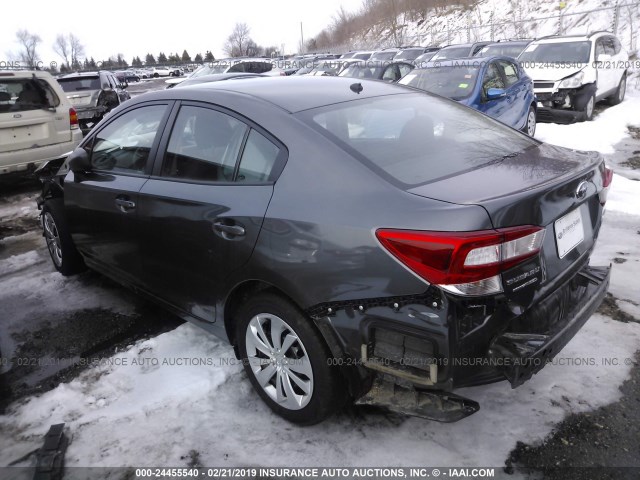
(79,83)
(331,67)
(566,52)
(409,54)
(416,138)
(456,82)
(363,70)
(456,52)
(508,50)
(362,56)
(384,55)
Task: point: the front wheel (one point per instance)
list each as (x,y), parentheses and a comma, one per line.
(64,255)
(530,125)
(588,108)
(288,361)
(618,97)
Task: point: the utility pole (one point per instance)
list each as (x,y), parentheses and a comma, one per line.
(301,39)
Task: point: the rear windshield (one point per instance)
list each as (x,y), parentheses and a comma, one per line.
(80,83)
(456,82)
(18,95)
(566,52)
(413,139)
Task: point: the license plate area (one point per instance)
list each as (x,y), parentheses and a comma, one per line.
(569,232)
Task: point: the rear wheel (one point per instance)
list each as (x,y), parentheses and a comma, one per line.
(530,125)
(64,255)
(618,97)
(287,360)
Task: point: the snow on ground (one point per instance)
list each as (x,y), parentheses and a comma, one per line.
(180,391)
(601,134)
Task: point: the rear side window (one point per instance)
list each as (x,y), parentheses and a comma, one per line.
(204,145)
(258,158)
(124,145)
(19,95)
(414,139)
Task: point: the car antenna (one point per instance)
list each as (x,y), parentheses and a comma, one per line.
(356,88)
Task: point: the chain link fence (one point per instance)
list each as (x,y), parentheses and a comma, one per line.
(619,19)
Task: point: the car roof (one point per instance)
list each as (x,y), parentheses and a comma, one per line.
(572,38)
(24,73)
(289,93)
(81,74)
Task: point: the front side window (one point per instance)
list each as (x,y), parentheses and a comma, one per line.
(203,146)
(412,139)
(510,72)
(124,145)
(492,79)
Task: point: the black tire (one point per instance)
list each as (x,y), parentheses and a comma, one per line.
(64,255)
(529,127)
(587,107)
(618,97)
(328,393)
(156,75)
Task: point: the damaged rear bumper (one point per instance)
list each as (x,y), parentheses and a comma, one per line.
(520,355)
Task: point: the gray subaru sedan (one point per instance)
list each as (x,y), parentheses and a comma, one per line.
(354,241)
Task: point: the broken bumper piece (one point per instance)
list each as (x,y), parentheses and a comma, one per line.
(433,405)
(521,355)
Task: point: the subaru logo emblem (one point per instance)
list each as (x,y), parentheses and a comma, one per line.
(581,191)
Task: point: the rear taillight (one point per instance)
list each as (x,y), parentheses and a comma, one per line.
(466,263)
(73,119)
(607,177)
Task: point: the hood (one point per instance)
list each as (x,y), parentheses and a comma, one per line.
(540,72)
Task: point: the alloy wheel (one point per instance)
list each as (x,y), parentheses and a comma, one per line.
(279,361)
(52,237)
(623,88)
(531,123)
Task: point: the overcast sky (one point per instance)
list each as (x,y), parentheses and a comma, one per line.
(138,27)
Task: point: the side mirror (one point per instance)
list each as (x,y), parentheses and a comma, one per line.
(79,161)
(124,85)
(494,93)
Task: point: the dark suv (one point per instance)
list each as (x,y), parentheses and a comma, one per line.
(93,94)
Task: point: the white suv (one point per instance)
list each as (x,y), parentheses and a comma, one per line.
(572,73)
(37,122)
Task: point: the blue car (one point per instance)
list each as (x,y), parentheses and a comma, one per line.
(495,85)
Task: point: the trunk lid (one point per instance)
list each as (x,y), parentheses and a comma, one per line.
(546,186)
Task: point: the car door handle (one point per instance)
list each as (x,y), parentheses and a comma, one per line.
(124,204)
(231,230)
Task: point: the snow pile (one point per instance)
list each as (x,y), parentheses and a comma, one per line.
(609,128)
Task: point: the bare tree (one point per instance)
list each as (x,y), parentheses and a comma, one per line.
(238,42)
(77,50)
(28,43)
(61,47)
